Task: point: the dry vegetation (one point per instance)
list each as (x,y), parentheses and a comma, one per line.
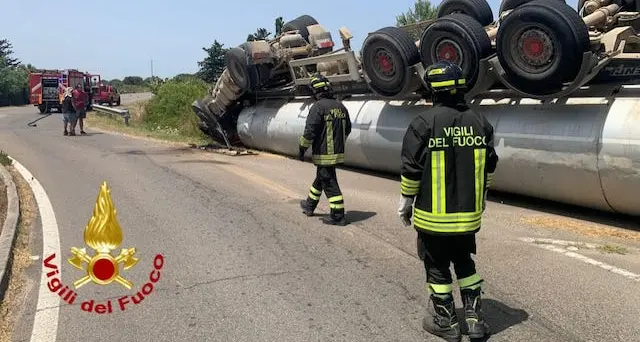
(581,227)
(10,308)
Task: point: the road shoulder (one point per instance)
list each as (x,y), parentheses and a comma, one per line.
(13,271)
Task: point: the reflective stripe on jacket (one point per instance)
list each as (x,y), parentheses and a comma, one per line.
(327,127)
(448,160)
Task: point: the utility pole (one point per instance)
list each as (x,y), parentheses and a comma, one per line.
(152,68)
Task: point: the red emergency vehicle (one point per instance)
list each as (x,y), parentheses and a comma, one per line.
(107,94)
(47,87)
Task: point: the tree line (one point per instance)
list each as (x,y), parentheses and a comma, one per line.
(14,74)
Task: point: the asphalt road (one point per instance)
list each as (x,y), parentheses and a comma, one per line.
(243,264)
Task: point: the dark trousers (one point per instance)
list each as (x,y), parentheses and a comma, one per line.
(439,252)
(327,181)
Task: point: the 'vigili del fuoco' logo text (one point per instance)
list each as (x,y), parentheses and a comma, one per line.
(103,234)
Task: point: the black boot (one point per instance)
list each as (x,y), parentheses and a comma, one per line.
(473,317)
(308,207)
(443,322)
(336,218)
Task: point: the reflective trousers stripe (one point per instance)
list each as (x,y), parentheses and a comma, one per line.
(439,288)
(479,156)
(314,193)
(336,202)
(471,282)
(438,183)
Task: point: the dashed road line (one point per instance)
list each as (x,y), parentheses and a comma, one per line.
(548,244)
(45,323)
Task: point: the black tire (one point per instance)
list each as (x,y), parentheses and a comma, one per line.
(511,4)
(42,109)
(118,102)
(236,63)
(460,35)
(549,25)
(399,52)
(477,9)
(300,23)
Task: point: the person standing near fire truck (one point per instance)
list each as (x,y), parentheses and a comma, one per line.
(448,160)
(80,105)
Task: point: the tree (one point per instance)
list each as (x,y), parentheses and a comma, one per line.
(6,50)
(260,34)
(213,64)
(422,10)
(279,25)
(133,80)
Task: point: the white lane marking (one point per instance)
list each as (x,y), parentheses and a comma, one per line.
(551,247)
(560,242)
(45,323)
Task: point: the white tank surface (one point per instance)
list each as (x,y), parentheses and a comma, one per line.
(581,150)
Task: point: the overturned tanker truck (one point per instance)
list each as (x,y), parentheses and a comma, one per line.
(557,83)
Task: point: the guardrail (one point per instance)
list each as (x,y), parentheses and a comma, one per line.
(109,110)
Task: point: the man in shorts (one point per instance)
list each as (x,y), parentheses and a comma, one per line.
(80,104)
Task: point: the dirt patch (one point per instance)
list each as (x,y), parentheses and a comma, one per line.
(580,227)
(14,298)
(3,203)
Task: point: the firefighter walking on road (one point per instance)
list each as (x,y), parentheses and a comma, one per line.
(448,160)
(327,127)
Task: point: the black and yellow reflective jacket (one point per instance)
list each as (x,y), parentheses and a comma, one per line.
(326,131)
(448,162)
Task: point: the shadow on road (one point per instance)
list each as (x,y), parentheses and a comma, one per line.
(354,216)
(499,316)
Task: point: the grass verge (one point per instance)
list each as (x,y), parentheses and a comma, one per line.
(10,308)
(167,116)
(4,159)
(138,128)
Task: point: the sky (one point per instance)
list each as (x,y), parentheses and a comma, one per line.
(120,38)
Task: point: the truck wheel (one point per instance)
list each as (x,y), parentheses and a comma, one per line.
(300,24)
(511,4)
(457,38)
(236,62)
(118,102)
(387,55)
(477,9)
(540,46)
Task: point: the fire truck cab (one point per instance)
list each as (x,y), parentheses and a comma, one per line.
(46,88)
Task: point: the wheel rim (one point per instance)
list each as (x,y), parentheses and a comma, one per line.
(448,50)
(534,50)
(384,65)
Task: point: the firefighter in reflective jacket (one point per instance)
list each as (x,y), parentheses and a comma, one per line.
(327,127)
(448,162)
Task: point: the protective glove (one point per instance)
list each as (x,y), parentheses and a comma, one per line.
(301,153)
(405,209)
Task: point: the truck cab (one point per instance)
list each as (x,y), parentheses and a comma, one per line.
(107,94)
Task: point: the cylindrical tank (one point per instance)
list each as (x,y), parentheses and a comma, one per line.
(583,151)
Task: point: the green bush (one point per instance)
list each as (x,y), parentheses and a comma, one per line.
(170,109)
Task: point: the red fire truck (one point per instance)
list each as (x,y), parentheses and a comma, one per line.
(46,87)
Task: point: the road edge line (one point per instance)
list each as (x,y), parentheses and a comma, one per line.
(9,231)
(620,271)
(45,322)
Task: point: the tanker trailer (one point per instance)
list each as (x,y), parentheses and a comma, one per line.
(575,143)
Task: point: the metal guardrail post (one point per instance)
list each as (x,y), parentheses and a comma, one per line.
(122,112)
